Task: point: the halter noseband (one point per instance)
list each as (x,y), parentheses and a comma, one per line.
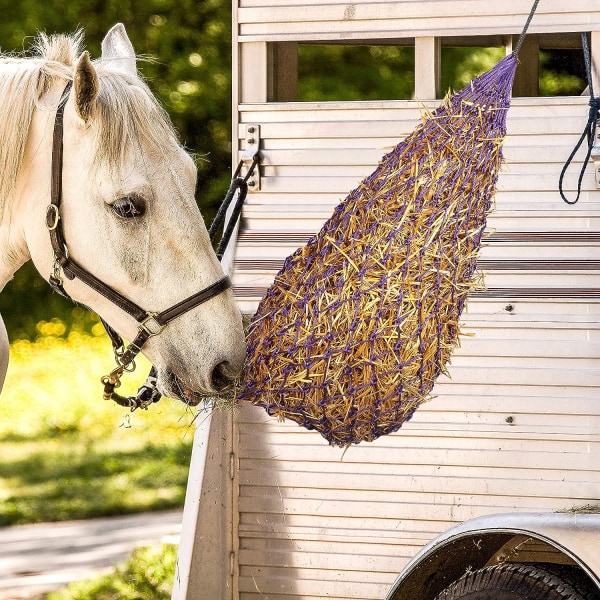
(149,323)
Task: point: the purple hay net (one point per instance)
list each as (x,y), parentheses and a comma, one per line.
(359,323)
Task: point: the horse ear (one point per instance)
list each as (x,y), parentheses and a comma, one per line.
(85,86)
(117,49)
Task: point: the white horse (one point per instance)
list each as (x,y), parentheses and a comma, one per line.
(128,212)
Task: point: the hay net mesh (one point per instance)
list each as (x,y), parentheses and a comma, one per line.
(359,323)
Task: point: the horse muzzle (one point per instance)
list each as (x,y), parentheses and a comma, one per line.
(223,386)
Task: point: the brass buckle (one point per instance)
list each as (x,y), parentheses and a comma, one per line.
(111,382)
(52,217)
(151,326)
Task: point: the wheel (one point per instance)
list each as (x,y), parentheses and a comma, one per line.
(514,581)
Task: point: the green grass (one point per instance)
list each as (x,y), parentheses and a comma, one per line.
(68,454)
(147,575)
(65,453)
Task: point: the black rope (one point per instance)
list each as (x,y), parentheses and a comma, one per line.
(589,130)
(240,185)
(527,23)
(220,216)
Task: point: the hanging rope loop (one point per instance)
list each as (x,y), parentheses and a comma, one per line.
(525,28)
(239,185)
(589,130)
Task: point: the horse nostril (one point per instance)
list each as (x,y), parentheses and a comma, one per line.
(220,380)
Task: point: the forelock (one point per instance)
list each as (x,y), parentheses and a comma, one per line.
(129,118)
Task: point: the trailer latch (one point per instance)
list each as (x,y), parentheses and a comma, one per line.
(252,139)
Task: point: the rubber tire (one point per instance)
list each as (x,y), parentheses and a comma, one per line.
(514,581)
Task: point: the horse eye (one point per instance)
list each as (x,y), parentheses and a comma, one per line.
(129,207)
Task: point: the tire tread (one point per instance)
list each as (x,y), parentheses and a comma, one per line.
(509,581)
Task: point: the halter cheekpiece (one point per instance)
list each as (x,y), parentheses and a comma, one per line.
(149,323)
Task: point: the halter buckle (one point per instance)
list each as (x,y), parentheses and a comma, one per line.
(150,325)
(52,217)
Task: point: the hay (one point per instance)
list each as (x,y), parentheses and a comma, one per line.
(359,323)
(586,509)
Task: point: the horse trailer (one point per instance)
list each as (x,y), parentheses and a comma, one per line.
(493,487)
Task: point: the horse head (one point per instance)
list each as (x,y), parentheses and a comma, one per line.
(128,214)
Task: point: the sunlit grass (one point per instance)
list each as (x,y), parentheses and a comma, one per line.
(67,453)
(147,575)
(53,386)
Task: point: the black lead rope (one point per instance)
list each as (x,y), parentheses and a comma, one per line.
(589,130)
(240,185)
(148,393)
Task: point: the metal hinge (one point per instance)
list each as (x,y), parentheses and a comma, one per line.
(252,146)
(232,468)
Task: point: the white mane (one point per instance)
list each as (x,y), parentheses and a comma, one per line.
(127,113)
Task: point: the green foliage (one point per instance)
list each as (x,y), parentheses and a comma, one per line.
(461,65)
(341,72)
(68,454)
(69,478)
(147,575)
(28,304)
(562,73)
(188,44)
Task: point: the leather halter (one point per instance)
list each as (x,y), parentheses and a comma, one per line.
(149,323)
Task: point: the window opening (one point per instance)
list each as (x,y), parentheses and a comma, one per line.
(345,72)
(551,65)
(562,72)
(461,64)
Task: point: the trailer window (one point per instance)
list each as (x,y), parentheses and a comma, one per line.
(550,65)
(460,64)
(562,72)
(342,72)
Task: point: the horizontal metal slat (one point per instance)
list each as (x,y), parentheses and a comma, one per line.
(274,264)
(257,292)
(510,237)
